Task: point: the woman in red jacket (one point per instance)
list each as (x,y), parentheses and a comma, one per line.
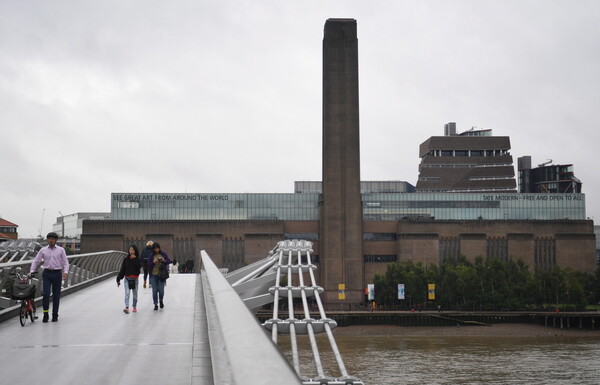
(130,270)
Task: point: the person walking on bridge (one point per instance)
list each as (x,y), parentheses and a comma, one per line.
(130,270)
(56,267)
(159,259)
(146,254)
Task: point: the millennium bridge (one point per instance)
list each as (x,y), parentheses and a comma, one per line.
(207,333)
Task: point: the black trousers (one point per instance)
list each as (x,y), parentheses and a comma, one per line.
(52,281)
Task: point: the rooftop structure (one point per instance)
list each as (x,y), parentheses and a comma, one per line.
(8,230)
(472,161)
(388,186)
(547,178)
(70,226)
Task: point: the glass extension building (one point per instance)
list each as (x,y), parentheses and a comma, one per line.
(376,206)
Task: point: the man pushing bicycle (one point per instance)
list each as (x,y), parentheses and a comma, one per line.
(56,267)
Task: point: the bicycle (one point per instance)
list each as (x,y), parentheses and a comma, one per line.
(23,290)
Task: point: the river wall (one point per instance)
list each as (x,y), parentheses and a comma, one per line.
(570,320)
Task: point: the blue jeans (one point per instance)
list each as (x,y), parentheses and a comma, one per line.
(51,279)
(128,290)
(158,288)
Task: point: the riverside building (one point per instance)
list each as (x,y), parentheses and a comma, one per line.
(472,161)
(358,228)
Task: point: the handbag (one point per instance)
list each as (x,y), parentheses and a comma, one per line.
(163,272)
(131,282)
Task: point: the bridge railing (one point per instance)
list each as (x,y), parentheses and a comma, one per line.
(295,263)
(240,351)
(262,283)
(84,270)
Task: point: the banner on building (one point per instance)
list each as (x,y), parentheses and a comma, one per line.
(400,291)
(431,291)
(341,291)
(371,288)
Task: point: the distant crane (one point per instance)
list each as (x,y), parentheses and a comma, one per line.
(41,224)
(545,163)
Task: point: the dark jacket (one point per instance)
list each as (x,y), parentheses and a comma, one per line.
(151,261)
(146,253)
(129,267)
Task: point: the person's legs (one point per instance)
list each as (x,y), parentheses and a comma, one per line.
(126,286)
(135,294)
(46,294)
(154,284)
(145,267)
(56,281)
(161,292)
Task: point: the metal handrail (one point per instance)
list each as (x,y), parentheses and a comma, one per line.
(84,270)
(240,352)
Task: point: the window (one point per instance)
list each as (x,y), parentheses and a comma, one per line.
(129,205)
(379,237)
(305,236)
(380,258)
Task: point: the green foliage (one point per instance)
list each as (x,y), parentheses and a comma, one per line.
(487,284)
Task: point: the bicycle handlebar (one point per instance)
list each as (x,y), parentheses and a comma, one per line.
(20,276)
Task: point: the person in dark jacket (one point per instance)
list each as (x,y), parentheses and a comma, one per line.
(190,265)
(146,253)
(160,258)
(130,270)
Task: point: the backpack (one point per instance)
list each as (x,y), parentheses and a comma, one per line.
(163,272)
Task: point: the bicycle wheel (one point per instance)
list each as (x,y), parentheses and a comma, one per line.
(23,313)
(31,310)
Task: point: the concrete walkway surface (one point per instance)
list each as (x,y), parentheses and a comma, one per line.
(94,342)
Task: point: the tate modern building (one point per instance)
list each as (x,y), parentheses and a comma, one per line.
(358,227)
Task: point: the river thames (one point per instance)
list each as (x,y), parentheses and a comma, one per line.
(547,358)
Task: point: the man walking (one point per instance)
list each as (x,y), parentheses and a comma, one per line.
(56,268)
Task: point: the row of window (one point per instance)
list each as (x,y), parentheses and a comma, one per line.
(466,190)
(492,177)
(381,237)
(438,153)
(380,258)
(544,250)
(465,165)
(472,204)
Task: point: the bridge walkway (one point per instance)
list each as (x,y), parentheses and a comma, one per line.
(94,342)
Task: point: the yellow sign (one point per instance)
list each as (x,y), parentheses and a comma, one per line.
(431,291)
(342,291)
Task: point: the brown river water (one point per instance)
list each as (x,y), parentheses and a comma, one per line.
(471,355)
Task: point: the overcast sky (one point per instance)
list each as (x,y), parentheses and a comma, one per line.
(225,96)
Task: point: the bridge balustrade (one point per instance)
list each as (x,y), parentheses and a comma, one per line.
(84,270)
(261,283)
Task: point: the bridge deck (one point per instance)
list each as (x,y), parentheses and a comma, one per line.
(94,342)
